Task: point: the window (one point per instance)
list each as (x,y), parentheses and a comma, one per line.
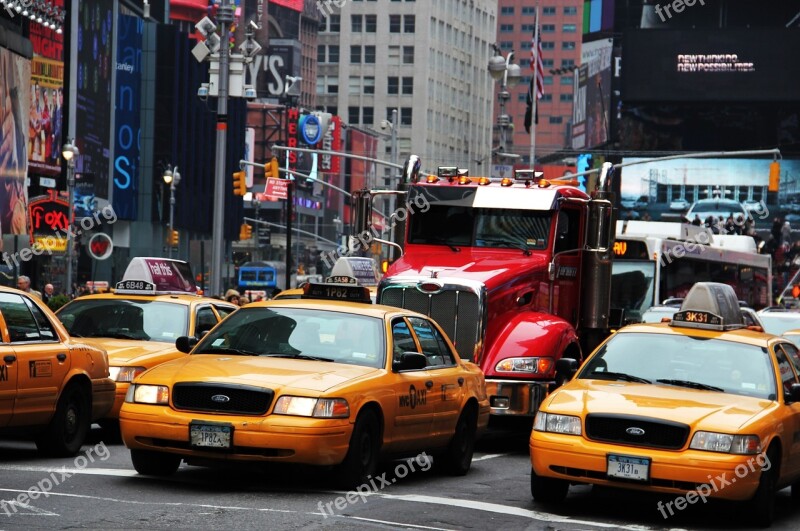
(528,28)
(569,28)
(522,97)
(321,54)
(528,10)
(546,97)
(548,45)
(568,45)
(408,55)
(556,119)
(548,80)
(354,85)
(371,23)
(395,22)
(547,63)
(335,24)
(506,28)
(409,23)
(402,341)
(433,345)
(353,115)
(204,320)
(570,10)
(507,10)
(565,97)
(405,115)
(506,45)
(369,85)
(567,63)
(392,85)
(566,80)
(355,54)
(408,85)
(367,115)
(333,53)
(548,28)
(369,54)
(548,11)
(356,23)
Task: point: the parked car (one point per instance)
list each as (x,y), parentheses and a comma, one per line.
(679,204)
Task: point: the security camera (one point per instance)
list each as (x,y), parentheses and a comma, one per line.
(203,90)
(384,124)
(206,26)
(249,92)
(253,25)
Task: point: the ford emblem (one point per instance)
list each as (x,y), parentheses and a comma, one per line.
(221,399)
(633,430)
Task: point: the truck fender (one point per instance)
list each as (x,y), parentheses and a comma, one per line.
(532,334)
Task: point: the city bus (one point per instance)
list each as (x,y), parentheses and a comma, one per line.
(262,278)
(654,261)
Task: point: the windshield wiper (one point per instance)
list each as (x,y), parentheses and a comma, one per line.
(618,376)
(439,239)
(118,335)
(690,384)
(508,243)
(297,356)
(228,350)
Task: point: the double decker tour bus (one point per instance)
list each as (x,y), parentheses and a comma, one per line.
(654,261)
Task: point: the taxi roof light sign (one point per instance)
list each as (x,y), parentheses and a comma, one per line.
(157,276)
(710,305)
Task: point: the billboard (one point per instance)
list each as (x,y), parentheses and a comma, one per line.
(269,70)
(591,104)
(15,105)
(296,5)
(721,65)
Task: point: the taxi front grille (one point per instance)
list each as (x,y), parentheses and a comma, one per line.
(457,311)
(221,398)
(637,431)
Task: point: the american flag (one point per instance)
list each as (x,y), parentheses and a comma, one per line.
(536,60)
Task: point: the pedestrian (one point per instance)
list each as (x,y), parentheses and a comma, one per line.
(697,221)
(786,233)
(48,293)
(232,296)
(777,226)
(24,284)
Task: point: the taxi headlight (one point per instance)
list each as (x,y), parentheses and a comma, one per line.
(553,423)
(125,374)
(726,443)
(531,365)
(303,406)
(147,394)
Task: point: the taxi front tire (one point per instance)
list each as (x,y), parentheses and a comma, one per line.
(548,490)
(150,463)
(362,457)
(69,426)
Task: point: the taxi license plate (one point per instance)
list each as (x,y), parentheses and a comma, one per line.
(624,467)
(210,436)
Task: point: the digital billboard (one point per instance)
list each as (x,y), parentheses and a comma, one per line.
(719,65)
(591,102)
(15,104)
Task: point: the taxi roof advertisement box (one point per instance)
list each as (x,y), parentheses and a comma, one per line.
(167,275)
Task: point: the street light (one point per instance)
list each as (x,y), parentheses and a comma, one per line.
(508,74)
(70,151)
(171,178)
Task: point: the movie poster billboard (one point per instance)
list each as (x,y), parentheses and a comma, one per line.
(592,102)
(680,190)
(46,123)
(15,106)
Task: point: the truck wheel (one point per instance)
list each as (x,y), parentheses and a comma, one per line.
(69,426)
(150,463)
(361,460)
(762,505)
(458,458)
(548,490)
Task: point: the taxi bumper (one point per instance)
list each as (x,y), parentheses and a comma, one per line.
(514,397)
(275,438)
(710,474)
(102,397)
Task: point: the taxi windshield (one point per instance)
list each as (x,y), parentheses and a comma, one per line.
(684,361)
(311,334)
(141,320)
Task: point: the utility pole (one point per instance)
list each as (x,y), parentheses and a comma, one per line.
(392,199)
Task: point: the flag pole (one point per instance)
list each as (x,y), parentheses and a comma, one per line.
(535,95)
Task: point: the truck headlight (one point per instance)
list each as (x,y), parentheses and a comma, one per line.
(147,394)
(726,443)
(125,374)
(531,365)
(303,406)
(553,423)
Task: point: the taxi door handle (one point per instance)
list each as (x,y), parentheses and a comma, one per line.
(429,384)
(460,382)
(61,356)
(9,358)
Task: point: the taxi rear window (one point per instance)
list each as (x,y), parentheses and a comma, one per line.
(735,368)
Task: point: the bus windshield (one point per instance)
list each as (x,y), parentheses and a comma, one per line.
(633,287)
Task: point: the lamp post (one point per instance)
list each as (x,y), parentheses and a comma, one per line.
(393,147)
(508,74)
(70,151)
(171,178)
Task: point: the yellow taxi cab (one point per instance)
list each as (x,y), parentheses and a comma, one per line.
(312,381)
(52,386)
(700,407)
(138,324)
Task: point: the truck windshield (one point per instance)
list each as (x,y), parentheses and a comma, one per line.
(457,225)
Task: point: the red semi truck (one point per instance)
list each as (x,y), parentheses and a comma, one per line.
(516,270)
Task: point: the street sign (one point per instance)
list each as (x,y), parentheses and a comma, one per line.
(278,188)
(47,182)
(264,236)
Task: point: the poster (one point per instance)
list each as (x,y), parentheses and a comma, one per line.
(15,103)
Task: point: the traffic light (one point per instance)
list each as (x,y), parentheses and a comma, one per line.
(239,183)
(774,176)
(245,232)
(271,169)
(174,238)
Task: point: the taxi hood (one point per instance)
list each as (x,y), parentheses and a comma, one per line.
(128,352)
(700,409)
(275,373)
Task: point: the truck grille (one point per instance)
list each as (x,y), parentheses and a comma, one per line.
(457,312)
(651,433)
(241,399)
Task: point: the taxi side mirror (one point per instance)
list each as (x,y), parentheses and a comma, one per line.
(567,366)
(794,394)
(410,361)
(185,343)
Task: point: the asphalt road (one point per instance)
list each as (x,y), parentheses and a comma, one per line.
(100,490)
